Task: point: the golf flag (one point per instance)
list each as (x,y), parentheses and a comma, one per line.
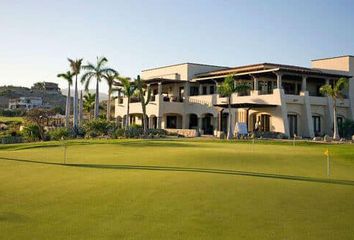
(326,153)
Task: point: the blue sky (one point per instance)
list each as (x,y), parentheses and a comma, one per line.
(38,36)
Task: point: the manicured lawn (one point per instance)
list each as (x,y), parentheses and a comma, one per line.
(176,189)
(11,119)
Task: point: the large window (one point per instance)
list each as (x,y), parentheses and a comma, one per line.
(212,89)
(205,90)
(316,125)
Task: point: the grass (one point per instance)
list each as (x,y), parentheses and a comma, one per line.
(175,189)
(11,119)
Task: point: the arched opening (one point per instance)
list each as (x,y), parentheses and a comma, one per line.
(224,122)
(152,122)
(293,124)
(208,124)
(173,121)
(259,122)
(193,121)
(317,124)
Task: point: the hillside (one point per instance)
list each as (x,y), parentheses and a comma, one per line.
(103,96)
(8,92)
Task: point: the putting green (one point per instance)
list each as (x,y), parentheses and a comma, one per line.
(176,189)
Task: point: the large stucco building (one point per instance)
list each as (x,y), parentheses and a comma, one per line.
(282,98)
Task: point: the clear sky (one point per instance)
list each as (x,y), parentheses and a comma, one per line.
(37,36)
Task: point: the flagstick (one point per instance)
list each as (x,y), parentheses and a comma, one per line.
(65,153)
(328,166)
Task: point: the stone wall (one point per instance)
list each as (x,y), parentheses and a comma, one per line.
(183,132)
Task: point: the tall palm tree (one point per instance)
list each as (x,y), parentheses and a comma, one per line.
(335,92)
(75,66)
(95,71)
(226,89)
(110,78)
(68,76)
(128,89)
(89,103)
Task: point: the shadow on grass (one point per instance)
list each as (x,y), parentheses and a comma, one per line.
(187,169)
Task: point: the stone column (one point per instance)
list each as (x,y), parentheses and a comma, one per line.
(159,120)
(303,84)
(255,86)
(186,91)
(200,125)
(147,90)
(279,80)
(200,89)
(159,88)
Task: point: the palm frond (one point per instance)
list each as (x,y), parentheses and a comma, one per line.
(327,90)
(68,76)
(101,61)
(88,67)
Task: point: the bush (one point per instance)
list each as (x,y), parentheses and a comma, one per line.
(32,132)
(60,133)
(12,113)
(138,132)
(11,139)
(99,128)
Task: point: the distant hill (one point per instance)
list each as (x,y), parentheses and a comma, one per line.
(103,96)
(8,92)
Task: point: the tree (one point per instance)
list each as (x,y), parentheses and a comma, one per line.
(110,78)
(226,89)
(89,103)
(335,92)
(95,71)
(144,97)
(75,66)
(128,89)
(39,117)
(68,76)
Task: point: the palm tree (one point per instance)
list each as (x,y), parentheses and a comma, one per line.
(95,71)
(75,66)
(336,93)
(68,76)
(89,103)
(128,89)
(110,78)
(226,89)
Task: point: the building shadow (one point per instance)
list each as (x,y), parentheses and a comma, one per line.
(189,169)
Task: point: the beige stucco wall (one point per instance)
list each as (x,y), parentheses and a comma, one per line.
(344,64)
(184,71)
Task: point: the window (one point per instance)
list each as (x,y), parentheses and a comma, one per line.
(212,90)
(171,122)
(205,89)
(194,91)
(265,122)
(316,124)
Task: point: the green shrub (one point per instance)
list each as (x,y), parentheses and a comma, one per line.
(138,132)
(60,133)
(98,128)
(32,132)
(11,139)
